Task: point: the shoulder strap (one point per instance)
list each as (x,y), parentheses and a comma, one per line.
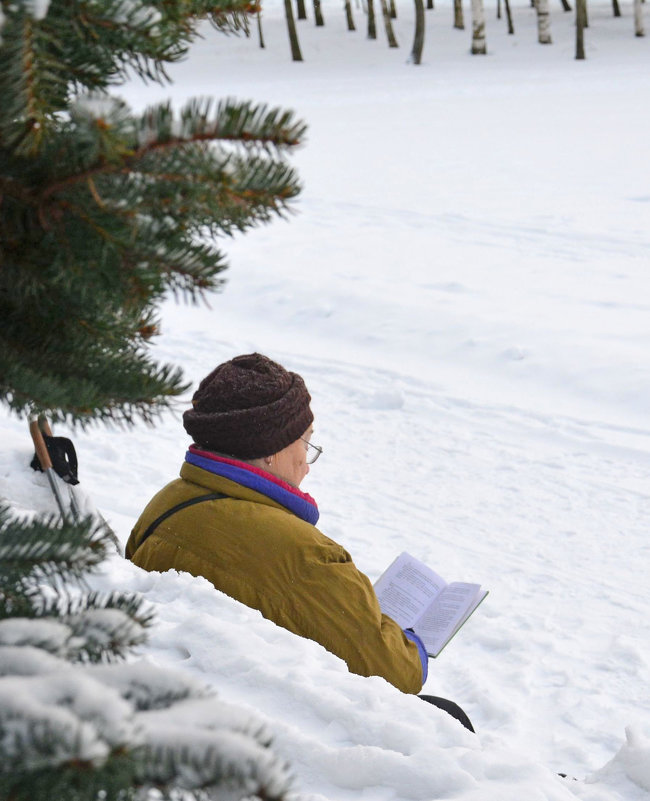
(211,496)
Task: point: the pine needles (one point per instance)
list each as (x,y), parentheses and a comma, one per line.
(103,212)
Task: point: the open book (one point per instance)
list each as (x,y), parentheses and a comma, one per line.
(418,598)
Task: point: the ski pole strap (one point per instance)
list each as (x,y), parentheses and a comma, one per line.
(59,454)
(211,496)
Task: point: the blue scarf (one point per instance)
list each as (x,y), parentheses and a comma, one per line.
(300,503)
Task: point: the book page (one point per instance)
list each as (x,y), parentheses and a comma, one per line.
(406,589)
(437,625)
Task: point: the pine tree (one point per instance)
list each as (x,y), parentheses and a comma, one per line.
(74,723)
(104,211)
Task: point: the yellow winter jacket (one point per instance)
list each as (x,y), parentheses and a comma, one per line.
(256,551)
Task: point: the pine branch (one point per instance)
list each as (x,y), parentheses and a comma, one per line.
(90,45)
(74,781)
(207,760)
(102,213)
(49,548)
(149,688)
(29,97)
(111,142)
(106,629)
(77,731)
(118,387)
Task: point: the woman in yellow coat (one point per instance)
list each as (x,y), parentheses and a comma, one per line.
(237,517)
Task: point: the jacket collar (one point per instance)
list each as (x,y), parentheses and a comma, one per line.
(254,478)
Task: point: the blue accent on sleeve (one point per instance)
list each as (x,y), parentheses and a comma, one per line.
(422,651)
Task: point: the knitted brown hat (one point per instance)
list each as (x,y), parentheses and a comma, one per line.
(249,407)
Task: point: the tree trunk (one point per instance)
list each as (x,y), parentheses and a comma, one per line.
(296,55)
(580,27)
(259,26)
(479,47)
(638,19)
(543,22)
(430,5)
(318,14)
(616,9)
(498,9)
(393,10)
(348,15)
(302,11)
(511,27)
(566,6)
(459,22)
(372,25)
(418,39)
(388,25)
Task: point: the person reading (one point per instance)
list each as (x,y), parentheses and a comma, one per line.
(238,517)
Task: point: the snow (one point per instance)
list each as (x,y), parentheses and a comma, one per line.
(97,105)
(464,289)
(39,8)
(91,718)
(50,635)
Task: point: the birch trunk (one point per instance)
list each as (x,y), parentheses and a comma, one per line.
(372,25)
(543,22)
(388,25)
(459,22)
(511,27)
(348,15)
(418,39)
(479,46)
(259,26)
(393,10)
(296,55)
(580,30)
(638,19)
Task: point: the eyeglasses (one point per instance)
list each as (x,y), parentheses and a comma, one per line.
(313,451)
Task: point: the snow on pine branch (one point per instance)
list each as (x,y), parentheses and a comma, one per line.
(37,548)
(133,12)
(177,730)
(204,758)
(148,687)
(90,634)
(49,635)
(38,8)
(57,718)
(99,105)
(28,660)
(229,120)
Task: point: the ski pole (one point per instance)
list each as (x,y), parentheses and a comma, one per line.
(46,462)
(44,427)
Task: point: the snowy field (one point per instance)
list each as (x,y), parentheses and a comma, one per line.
(466,290)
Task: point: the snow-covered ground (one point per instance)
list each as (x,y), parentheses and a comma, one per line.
(466,290)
